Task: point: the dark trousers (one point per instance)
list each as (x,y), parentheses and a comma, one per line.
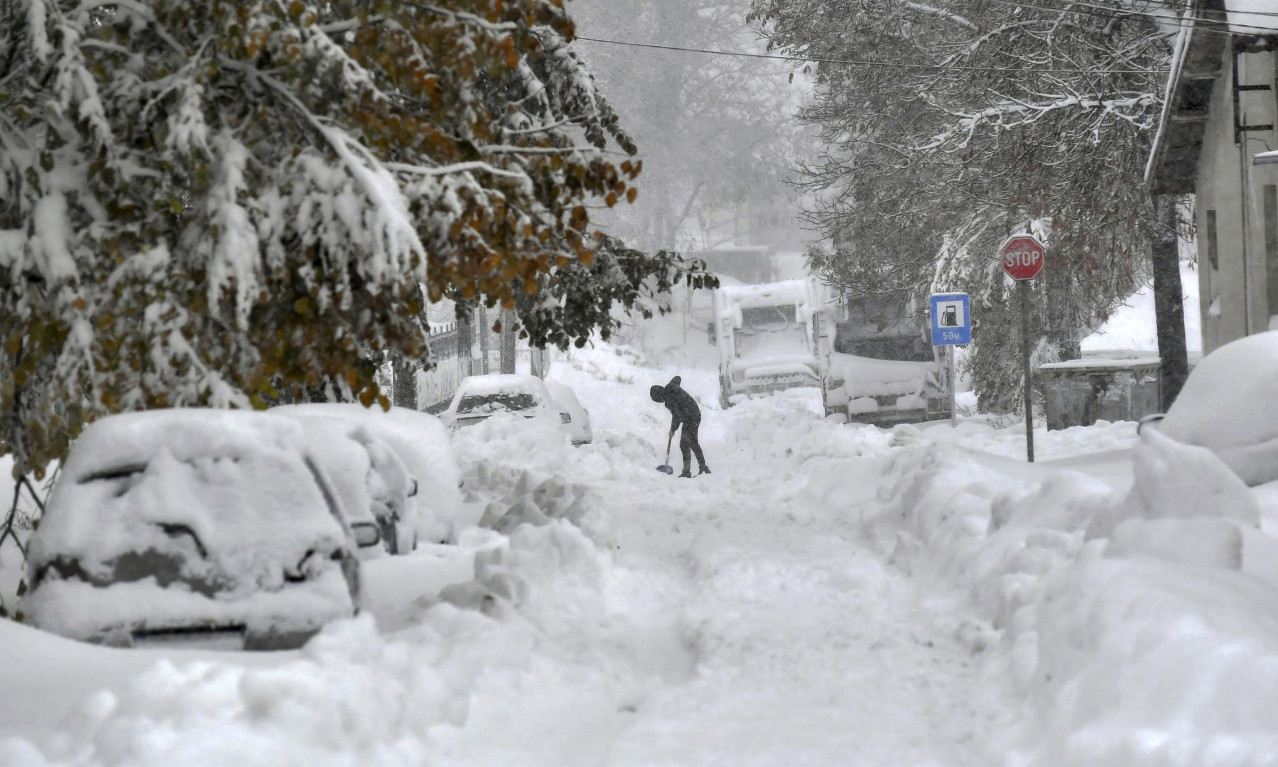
(688,445)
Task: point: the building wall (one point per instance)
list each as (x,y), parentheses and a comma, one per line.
(1235,299)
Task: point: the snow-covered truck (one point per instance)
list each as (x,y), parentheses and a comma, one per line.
(868,356)
(766,336)
(880,366)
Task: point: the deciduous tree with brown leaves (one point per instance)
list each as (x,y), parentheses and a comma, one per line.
(211,202)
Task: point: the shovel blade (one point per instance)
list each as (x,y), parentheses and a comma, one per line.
(664,469)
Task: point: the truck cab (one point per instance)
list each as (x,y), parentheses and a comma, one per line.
(867,353)
(767,338)
(879,367)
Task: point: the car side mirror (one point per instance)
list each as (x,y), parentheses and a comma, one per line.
(413,491)
(565,417)
(366,534)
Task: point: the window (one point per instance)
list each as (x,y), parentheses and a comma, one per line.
(496,402)
(1213,266)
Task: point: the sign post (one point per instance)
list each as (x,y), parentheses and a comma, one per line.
(1022,256)
(951,325)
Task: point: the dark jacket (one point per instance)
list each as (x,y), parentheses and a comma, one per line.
(683,408)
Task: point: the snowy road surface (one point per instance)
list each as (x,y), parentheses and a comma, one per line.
(788,639)
(830,595)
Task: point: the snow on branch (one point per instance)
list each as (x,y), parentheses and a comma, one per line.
(468,18)
(233,262)
(972,47)
(525,183)
(395,236)
(940,13)
(316,43)
(1133,108)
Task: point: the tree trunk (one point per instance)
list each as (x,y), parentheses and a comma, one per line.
(1169,300)
(465,338)
(404,387)
(485,332)
(507,341)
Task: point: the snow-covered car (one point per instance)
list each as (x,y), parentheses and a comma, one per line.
(480,397)
(1227,405)
(411,480)
(192,526)
(370,480)
(578,424)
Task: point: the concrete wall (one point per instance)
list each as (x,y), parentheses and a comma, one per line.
(1235,296)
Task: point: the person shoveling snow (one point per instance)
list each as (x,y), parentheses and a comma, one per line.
(683,412)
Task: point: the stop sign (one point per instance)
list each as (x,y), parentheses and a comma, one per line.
(1022,256)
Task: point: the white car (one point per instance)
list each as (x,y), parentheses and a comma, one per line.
(191,526)
(1228,406)
(412,481)
(578,424)
(481,397)
(369,478)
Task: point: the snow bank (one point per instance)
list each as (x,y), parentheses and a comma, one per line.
(384,692)
(1156,646)
(348,692)
(533,489)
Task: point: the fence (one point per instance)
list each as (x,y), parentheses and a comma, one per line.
(435,387)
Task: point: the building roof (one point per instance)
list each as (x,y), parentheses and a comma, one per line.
(1196,64)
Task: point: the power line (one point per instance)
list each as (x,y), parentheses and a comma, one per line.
(1218,26)
(1174,20)
(865,63)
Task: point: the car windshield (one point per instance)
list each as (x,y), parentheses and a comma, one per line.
(495,402)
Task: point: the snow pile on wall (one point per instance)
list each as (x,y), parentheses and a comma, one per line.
(1132,628)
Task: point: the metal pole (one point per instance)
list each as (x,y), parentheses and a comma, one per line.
(484,332)
(1023,287)
(953,387)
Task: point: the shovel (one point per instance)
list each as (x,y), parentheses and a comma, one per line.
(666,468)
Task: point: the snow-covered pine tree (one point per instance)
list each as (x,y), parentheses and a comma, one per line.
(204,201)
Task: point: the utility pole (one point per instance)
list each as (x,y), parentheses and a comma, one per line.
(484,332)
(465,339)
(507,340)
(1169,307)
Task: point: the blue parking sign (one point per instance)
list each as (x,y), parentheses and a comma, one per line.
(951,320)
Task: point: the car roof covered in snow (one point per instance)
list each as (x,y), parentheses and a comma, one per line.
(770,294)
(1229,398)
(496,383)
(422,442)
